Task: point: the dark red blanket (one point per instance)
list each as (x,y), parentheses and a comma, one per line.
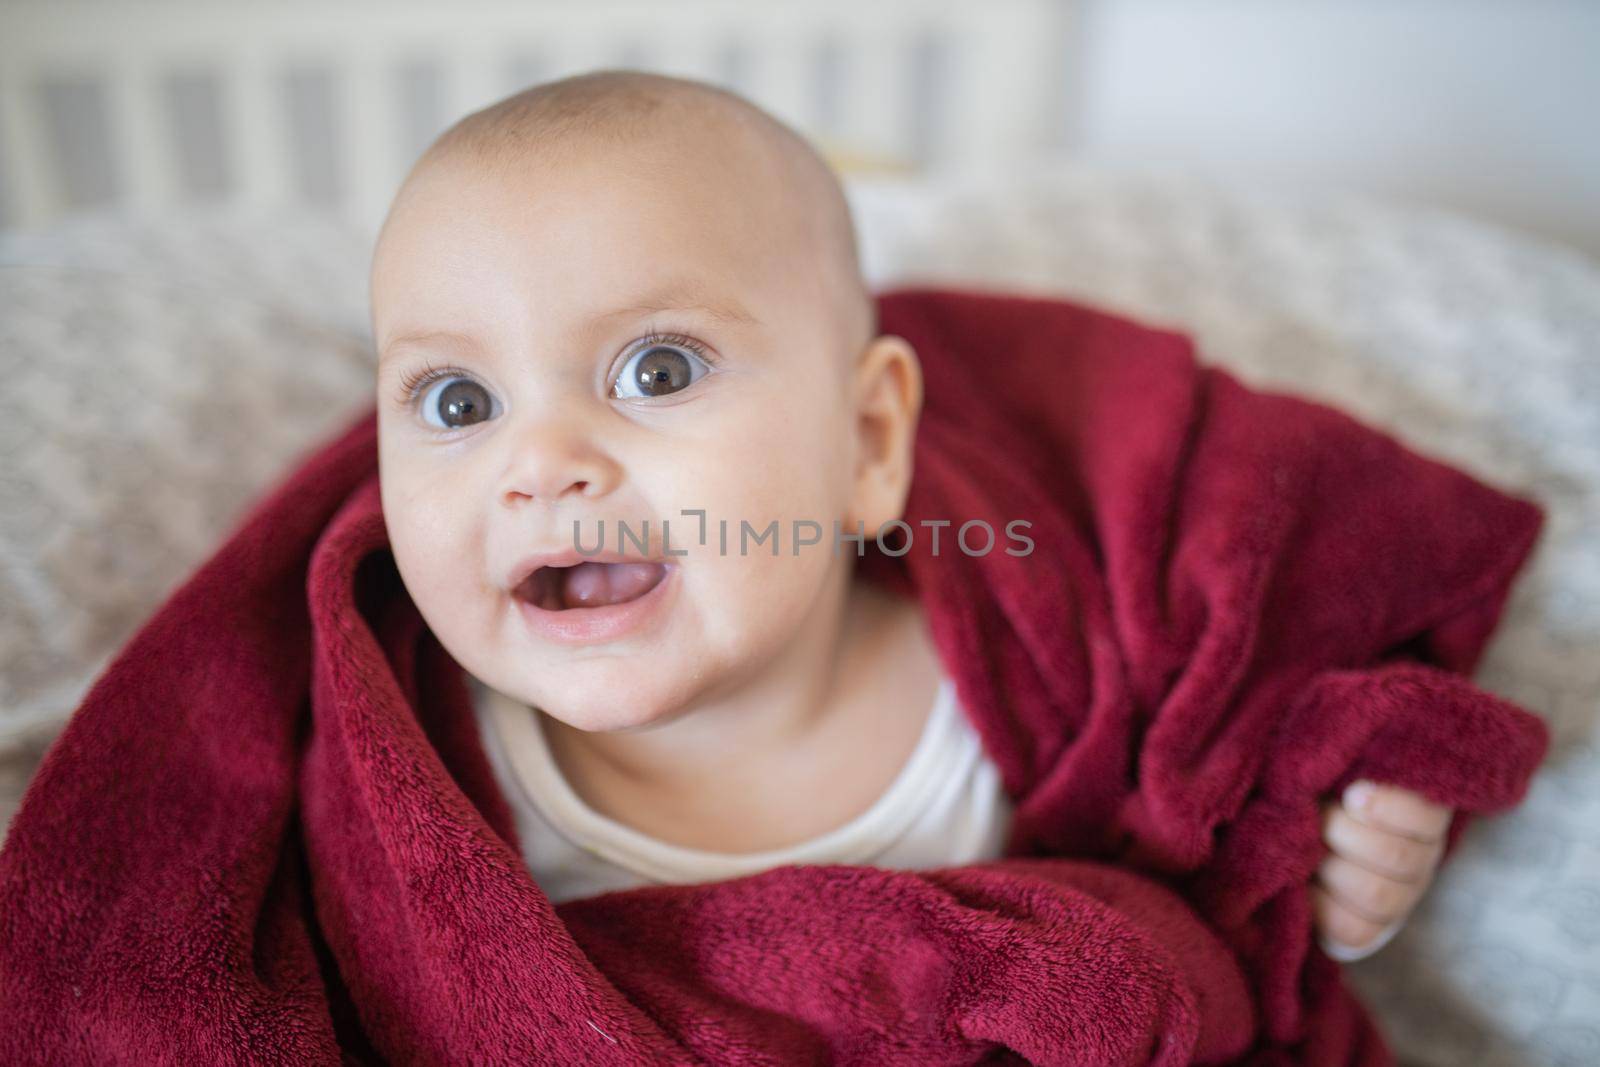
(269,834)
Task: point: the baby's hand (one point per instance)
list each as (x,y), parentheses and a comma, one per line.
(1385,848)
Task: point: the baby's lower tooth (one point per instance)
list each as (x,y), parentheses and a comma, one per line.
(586,585)
(593,585)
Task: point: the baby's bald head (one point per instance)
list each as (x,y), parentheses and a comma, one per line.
(660,121)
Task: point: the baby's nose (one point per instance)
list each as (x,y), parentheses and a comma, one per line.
(552,463)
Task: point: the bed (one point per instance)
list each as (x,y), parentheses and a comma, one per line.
(174,336)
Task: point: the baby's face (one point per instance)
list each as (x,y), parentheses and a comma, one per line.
(625,334)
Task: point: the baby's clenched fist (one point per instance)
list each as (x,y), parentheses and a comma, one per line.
(1385,844)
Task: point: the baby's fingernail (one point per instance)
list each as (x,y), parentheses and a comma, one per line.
(1357,795)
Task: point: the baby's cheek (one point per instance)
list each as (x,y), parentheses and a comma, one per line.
(438,547)
(760,478)
(759,481)
(799,431)
(751,602)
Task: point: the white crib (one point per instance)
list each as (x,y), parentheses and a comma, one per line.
(150,104)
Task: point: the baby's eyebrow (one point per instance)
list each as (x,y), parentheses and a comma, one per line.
(684,295)
(421,337)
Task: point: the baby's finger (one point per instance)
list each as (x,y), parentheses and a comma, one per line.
(1397,810)
(1401,858)
(1375,898)
(1339,924)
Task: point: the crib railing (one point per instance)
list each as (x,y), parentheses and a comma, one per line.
(155,104)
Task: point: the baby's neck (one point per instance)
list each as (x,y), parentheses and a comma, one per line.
(837,713)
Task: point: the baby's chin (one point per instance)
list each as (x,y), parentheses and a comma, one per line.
(607,698)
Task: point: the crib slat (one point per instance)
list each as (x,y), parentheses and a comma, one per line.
(780,73)
(930,77)
(877,89)
(682,49)
(28,181)
(477,75)
(144,140)
(257,130)
(419,84)
(578,48)
(1003,60)
(369,97)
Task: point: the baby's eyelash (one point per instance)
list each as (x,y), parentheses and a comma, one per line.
(670,337)
(413,382)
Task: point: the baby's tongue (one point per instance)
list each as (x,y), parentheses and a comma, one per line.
(593,585)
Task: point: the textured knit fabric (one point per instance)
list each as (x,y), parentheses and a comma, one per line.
(270,834)
(944,807)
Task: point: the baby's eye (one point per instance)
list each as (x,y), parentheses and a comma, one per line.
(657,370)
(457,398)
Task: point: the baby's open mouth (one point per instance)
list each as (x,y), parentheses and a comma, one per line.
(590,584)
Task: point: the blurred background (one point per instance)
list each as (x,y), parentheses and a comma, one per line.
(1391,206)
(1480,105)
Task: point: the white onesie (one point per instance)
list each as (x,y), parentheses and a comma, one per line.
(946,807)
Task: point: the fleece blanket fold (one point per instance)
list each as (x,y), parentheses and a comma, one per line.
(269,834)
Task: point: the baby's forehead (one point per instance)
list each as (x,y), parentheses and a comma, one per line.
(699,158)
(677,176)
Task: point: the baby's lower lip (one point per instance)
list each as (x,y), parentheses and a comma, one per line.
(588,625)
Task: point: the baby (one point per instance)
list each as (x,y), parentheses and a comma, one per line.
(622,332)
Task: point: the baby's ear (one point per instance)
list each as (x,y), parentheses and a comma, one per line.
(888,400)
